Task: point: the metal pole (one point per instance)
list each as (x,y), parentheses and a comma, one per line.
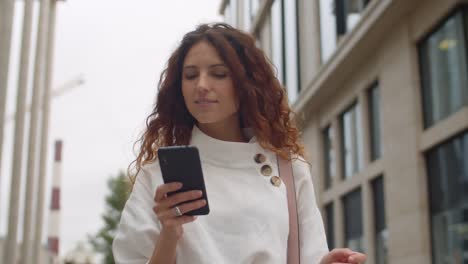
(19,121)
(61,90)
(7,9)
(11,247)
(45,131)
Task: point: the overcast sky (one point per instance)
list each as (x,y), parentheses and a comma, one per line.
(120,48)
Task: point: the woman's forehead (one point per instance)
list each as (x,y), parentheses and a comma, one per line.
(202,54)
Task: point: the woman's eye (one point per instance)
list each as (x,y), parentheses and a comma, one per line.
(219,75)
(190,76)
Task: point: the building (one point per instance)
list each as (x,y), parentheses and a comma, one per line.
(381,91)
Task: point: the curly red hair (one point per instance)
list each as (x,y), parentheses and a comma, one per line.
(263,102)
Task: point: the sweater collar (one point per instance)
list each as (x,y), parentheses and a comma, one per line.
(225,153)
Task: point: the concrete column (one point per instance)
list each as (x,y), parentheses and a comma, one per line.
(45,129)
(312,137)
(339,222)
(309,40)
(368,221)
(7,9)
(54,218)
(20,119)
(407,207)
(10,252)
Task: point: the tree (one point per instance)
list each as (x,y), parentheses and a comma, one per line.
(119,188)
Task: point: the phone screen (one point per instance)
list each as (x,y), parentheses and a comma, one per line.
(182,164)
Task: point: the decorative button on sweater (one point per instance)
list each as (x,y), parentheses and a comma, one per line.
(242,226)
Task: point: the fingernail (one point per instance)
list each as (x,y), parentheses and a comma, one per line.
(179,185)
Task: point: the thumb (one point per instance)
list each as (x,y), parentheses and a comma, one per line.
(339,254)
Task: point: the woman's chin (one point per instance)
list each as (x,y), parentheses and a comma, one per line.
(207,121)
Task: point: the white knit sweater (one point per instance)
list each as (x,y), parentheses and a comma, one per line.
(248,221)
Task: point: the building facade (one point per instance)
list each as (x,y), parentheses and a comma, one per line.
(380,88)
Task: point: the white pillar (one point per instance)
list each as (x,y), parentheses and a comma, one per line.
(10,249)
(45,131)
(7,9)
(20,119)
(54,219)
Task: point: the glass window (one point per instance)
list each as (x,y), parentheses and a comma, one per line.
(339,9)
(277,28)
(351,134)
(327,28)
(374,122)
(285,55)
(381,233)
(354,8)
(347,14)
(447,169)
(443,61)
(329,227)
(353,221)
(291,49)
(328,156)
(336,18)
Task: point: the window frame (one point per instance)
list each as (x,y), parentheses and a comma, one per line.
(461,8)
(330,224)
(374,156)
(463,135)
(327,147)
(357,107)
(346,196)
(379,179)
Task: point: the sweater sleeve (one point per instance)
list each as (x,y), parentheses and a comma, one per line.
(139,228)
(313,241)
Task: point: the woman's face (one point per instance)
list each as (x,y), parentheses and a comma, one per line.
(207,85)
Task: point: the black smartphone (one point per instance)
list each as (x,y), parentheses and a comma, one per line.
(182,164)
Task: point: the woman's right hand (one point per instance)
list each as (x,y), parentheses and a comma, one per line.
(167,213)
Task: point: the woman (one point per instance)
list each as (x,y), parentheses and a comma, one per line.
(219,93)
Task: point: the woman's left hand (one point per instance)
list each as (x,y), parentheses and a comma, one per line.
(343,256)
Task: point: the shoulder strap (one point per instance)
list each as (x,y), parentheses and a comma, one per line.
(286,174)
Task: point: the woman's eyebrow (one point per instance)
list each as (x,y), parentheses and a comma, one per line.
(190,67)
(217,65)
(209,66)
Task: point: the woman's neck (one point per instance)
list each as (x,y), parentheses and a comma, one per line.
(226,130)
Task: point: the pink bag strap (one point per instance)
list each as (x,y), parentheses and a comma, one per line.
(286,173)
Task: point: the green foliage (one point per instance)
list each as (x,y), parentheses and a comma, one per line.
(119,190)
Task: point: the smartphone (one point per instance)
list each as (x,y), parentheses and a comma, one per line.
(182,164)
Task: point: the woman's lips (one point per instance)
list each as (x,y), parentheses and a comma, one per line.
(205,102)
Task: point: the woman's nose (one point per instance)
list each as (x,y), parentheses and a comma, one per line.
(203,82)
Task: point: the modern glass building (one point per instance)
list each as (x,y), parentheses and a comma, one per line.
(381,92)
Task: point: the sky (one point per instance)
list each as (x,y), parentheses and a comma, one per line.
(119,48)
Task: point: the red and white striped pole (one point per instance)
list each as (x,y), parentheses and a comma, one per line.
(54,218)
